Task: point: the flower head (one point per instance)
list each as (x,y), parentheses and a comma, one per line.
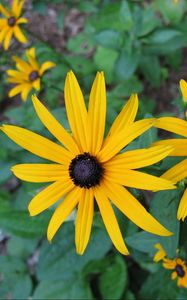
(179,270)
(87,166)
(10,24)
(160,254)
(28,74)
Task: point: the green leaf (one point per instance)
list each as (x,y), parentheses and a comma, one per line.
(161,36)
(105,60)
(61,254)
(148,23)
(151,69)
(127,64)
(143,241)
(171,12)
(109,39)
(113,281)
(164,208)
(80,44)
(76,288)
(15,284)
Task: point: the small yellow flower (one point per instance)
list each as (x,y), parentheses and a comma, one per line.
(28,74)
(183,87)
(179,171)
(87,166)
(160,254)
(10,24)
(179,270)
(175,1)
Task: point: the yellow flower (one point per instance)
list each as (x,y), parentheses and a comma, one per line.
(183,87)
(180,270)
(175,1)
(179,171)
(28,74)
(160,254)
(88,167)
(10,24)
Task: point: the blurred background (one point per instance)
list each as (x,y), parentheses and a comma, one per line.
(141,46)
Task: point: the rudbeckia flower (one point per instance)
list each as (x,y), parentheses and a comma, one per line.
(179,270)
(160,254)
(87,166)
(179,171)
(28,74)
(10,24)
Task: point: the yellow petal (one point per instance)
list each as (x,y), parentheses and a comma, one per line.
(182,209)
(3,33)
(179,145)
(76,112)
(17,7)
(36,84)
(37,144)
(126,116)
(174,275)
(63,211)
(130,206)
(45,66)
(115,143)
(40,172)
(97,113)
(84,220)
(17,74)
(24,94)
(21,21)
(22,65)
(31,55)
(135,159)
(7,39)
(169,264)
(172,124)
(14,80)
(4,11)
(183,87)
(177,172)
(31,52)
(16,90)
(3,23)
(54,126)
(49,196)
(137,179)
(110,221)
(160,254)
(19,35)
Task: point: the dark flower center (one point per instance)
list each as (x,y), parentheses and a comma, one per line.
(179,270)
(85,170)
(11,21)
(33,75)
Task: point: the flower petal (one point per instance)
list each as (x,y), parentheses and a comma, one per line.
(22,21)
(172,124)
(97,113)
(169,264)
(63,211)
(179,145)
(3,23)
(17,7)
(7,39)
(24,94)
(76,111)
(135,159)
(37,144)
(49,196)
(17,75)
(54,126)
(45,66)
(84,220)
(182,209)
(177,172)
(4,11)
(16,90)
(115,143)
(19,35)
(22,65)
(130,206)
(183,87)
(40,172)
(136,179)
(3,33)
(110,221)
(36,84)
(160,254)
(126,116)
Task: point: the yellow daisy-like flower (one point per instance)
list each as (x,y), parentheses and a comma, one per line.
(179,171)
(89,166)
(10,24)
(28,74)
(179,270)
(160,254)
